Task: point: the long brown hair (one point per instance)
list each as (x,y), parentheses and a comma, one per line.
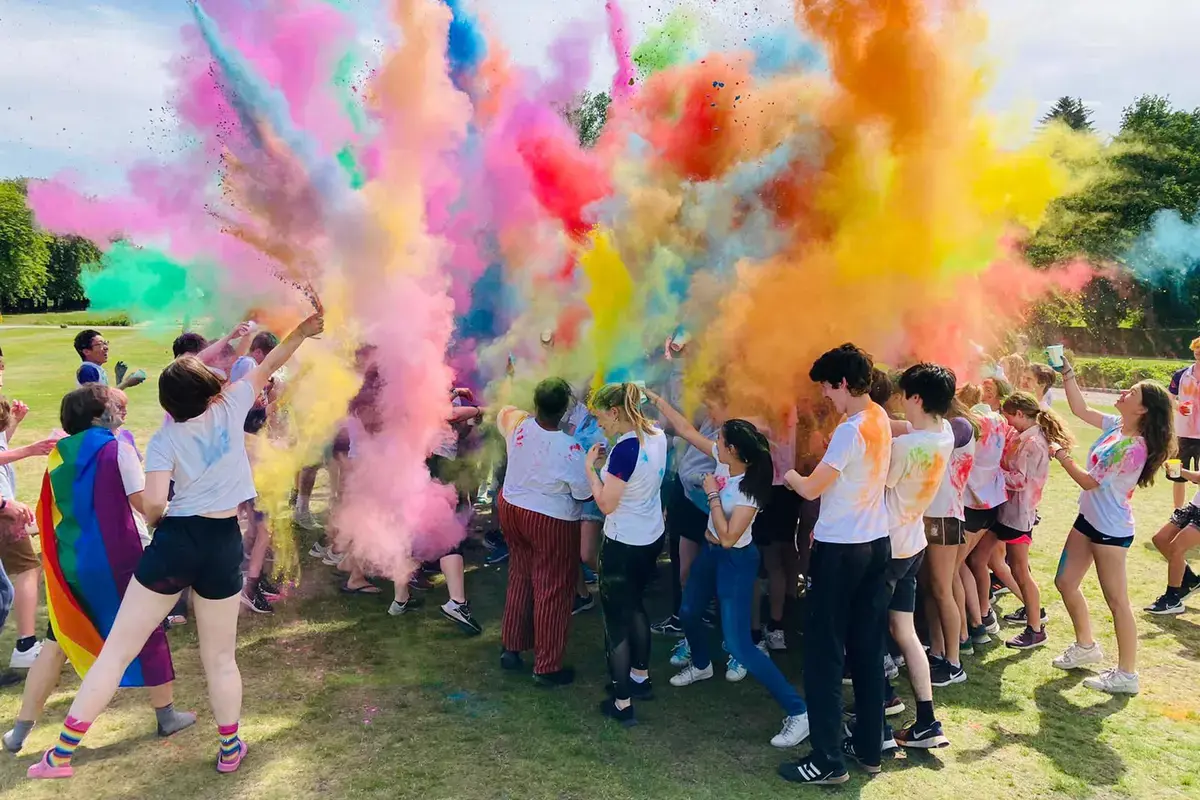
(1157,427)
(1054,428)
(627,399)
(960,410)
(186,387)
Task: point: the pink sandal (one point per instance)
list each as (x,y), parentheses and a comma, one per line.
(43,770)
(232,766)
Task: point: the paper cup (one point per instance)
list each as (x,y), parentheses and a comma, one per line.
(1054,353)
(1174,467)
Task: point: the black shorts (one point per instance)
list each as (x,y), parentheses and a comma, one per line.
(50,637)
(198,552)
(1006,534)
(1089,530)
(778,519)
(683,518)
(944,531)
(1189,453)
(255,420)
(981,519)
(1183,517)
(901,580)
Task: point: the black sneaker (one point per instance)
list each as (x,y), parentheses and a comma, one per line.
(562,677)
(989,623)
(624,716)
(492,540)
(850,720)
(256,602)
(583,604)
(929,738)
(849,752)
(808,772)
(943,673)
(668,627)
(460,614)
(270,590)
(511,660)
(1019,617)
(1191,582)
(1165,606)
(637,691)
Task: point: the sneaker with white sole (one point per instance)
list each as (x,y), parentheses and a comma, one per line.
(460,614)
(398,609)
(807,772)
(690,675)
(1114,681)
(333,559)
(776,640)
(305,520)
(256,601)
(1166,606)
(734,670)
(794,731)
(681,654)
(319,550)
(668,627)
(990,623)
(24,659)
(890,670)
(1077,656)
(762,647)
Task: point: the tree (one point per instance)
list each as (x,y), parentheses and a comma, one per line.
(23,250)
(587,115)
(1072,112)
(68,256)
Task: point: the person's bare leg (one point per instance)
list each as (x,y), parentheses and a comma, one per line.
(1074,563)
(258,553)
(903,631)
(357,578)
(941,563)
(1110,569)
(455,571)
(40,682)
(216,628)
(977,561)
(25,602)
(1019,554)
(1001,569)
(1177,552)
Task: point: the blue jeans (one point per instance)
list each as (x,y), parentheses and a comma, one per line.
(730,574)
(6,596)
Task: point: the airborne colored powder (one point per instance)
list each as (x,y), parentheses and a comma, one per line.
(434,197)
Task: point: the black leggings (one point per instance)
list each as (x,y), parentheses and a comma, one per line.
(625,571)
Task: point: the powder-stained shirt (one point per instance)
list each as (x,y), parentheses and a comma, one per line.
(1115,461)
(1025,468)
(91,373)
(852,508)
(985,484)
(546,470)
(638,517)
(1186,387)
(729,488)
(916,471)
(948,502)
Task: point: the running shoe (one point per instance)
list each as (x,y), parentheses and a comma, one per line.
(1191,582)
(492,540)
(681,654)
(510,660)
(775,639)
(333,559)
(1027,639)
(23,659)
(893,707)
(967,646)
(990,624)
(1165,606)
(690,674)
(668,627)
(271,591)
(734,670)
(890,670)
(1114,681)
(794,731)
(583,604)
(624,716)
(398,609)
(807,772)
(256,602)
(1019,617)
(497,556)
(928,738)
(1077,656)
(589,575)
(998,589)
(305,519)
(637,691)
(943,673)
(561,677)
(420,581)
(460,614)
(319,550)
(849,752)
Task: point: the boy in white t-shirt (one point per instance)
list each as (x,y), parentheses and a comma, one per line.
(850,557)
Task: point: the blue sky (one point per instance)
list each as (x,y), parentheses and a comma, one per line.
(84,86)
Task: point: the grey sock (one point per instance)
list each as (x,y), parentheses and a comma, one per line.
(14,740)
(171,721)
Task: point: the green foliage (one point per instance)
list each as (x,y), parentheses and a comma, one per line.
(1072,112)
(1121,373)
(24,254)
(68,256)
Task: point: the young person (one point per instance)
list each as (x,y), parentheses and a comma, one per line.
(775,532)
(728,564)
(1174,540)
(1185,388)
(584,428)
(1026,469)
(92,537)
(1131,449)
(628,491)
(93,352)
(984,497)
(197,543)
(1038,381)
(540,508)
(848,598)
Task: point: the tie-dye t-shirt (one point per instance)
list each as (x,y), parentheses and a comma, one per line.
(917,470)
(1186,388)
(985,484)
(852,509)
(948,502)
(1115,462)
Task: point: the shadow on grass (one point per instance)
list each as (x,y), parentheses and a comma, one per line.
(1068,735)
(1185,632)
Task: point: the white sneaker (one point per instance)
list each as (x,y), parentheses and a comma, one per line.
(795,731)
(319,551)
(1077,656)
(690,675)
(681,654)
(734,670)
(762,647)
(24,660)
(1114,681)
(305,520)
(333,559)
(775,640)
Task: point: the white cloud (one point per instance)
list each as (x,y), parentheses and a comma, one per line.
(81,87)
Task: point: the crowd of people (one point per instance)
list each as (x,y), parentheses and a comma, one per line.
(899,505)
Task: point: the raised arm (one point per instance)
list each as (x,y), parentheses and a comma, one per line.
(259,376)
(683,427)
(217,349)
(1079,406)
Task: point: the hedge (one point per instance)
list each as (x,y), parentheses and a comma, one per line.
(1121,373)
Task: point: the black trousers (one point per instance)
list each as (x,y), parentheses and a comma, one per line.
(625,572)
(847,620)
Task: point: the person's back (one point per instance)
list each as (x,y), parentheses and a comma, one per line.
(545,467)
(916,473)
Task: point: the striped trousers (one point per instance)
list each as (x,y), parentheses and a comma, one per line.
(543,564)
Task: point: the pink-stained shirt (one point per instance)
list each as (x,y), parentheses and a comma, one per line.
(1185,385)
(1026,468)
(948,502)
(985,484)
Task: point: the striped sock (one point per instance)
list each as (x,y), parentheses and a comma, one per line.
(231,743)
(68,740)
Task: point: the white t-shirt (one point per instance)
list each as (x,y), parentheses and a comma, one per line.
(915,473)
(852,509)
(8,475)
(985,484)
(638,517)
(948,502)
(134,480)
(206,456)
(730,489)
(1116,462)
(546,472)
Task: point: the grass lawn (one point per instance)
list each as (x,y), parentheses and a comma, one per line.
(343,701)
(78,318)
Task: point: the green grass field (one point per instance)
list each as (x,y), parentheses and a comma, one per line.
(343,701)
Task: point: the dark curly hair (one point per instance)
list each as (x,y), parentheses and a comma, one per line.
(848,363)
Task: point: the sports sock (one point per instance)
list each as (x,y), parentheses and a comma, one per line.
(68,741)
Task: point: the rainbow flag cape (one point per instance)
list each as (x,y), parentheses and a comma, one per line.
(90,549)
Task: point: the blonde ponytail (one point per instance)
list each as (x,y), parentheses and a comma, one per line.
(627,398)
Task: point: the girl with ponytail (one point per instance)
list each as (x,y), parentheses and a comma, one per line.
(728,564)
